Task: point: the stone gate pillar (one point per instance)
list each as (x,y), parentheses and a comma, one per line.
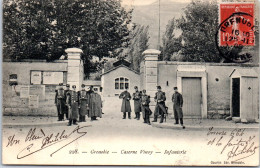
(150,73)
(75,67)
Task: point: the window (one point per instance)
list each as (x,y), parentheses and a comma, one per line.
(47,77)
(121,83)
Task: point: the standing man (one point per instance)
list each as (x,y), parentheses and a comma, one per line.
(94,104)
(66,107)
(160,104)
(60,102)
(145,107)
(177,107)
(137,103)
(126,96)
(83,106)
(72,103)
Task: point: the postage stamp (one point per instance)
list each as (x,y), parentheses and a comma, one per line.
(236,24)
(130,83)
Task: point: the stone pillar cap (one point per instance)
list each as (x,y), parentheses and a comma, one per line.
(151,52)
(73,50)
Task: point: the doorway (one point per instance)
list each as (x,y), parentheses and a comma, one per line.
(236,97)
(192,97)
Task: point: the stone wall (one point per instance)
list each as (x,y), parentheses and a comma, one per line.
(217,83)
(14,102)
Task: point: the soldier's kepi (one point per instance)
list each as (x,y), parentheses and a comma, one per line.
(160,105)
(72,103)
(83,105)
(60,102)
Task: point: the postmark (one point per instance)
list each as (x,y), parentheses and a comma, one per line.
(236,30)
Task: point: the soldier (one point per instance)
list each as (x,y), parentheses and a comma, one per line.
(177,107)
(83,106)
(145,107)
(160,104)
(60,102)
(137,103)
(126,96)
(94,103)
(72,103)
(66,107)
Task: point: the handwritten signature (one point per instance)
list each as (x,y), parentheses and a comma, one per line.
(47,140)
(237,146)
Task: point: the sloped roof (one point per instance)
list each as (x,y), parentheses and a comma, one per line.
(123,62)
(244,72)
(92,82)
(119,67)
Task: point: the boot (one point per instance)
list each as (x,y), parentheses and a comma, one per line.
(124,115)
(176,121)
(75,122)
(162,118)
(70,121)
(129,115)
(80,118)
(155,118)
(83,118)
(136,116)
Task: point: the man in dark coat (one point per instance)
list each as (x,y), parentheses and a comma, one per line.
(83,106)
(126,96)
(94,104)
(137,103)
(160,105)
(72,103)
(145,107)
(60,102)
(177,107)
(66,107)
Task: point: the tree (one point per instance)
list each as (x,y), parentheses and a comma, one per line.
(199,25)
(43,29)
(171,44)
(137,45)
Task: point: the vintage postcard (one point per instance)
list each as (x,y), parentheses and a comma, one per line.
(130,82)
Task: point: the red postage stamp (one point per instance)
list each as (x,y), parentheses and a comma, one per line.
(236,24)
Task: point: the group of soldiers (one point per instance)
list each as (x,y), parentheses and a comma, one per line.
(142,101)
(75,105)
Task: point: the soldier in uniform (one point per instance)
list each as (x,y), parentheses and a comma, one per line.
(177,107)
(145,107)
(160,104)
(72,103)
(137,103)
(60,102)
(83,106)
(126,96)
(66,107)
(94,103)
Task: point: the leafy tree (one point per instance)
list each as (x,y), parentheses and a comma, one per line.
(137,45)
(171,44)
(199,25)
(43,29)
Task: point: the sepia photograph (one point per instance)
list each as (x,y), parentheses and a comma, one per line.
(130,82)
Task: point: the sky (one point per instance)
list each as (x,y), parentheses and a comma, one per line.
(146,2)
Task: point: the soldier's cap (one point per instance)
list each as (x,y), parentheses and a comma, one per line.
(135,87)
(68,85)
(83,85)
(175,88)
(158,87)
(60,84)
(144,90)
(73,86)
